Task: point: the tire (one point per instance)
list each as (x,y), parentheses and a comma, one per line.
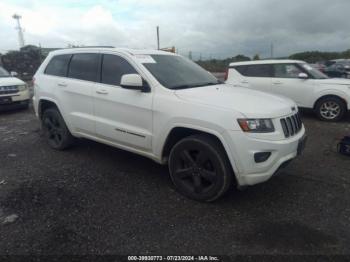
(200,168)
(55,130)
(331,109)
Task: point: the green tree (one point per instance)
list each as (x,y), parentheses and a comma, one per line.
(240,58)
(256,57)
(25,61)
(316,56)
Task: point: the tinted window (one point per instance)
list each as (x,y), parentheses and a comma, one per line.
(113,67)
(287,71)
(255,70)
(58,65)
(176,72)
(84,67)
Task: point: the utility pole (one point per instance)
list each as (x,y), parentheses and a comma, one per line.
(158,44)
(271,50)
(190,55)
(20,30)
(40,53)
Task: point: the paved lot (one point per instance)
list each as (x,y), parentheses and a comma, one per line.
(94,199)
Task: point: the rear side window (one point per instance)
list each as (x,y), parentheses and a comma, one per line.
(113,67)
(58,66)
(255,70)
(84,67)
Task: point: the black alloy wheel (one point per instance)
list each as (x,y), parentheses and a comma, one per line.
(55,130)
(199,168)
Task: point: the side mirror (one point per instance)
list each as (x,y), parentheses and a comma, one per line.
(14,74)
(303,76)
(134,82)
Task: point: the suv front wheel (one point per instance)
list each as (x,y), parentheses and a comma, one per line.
(330,109)
(200,168)
(55,130)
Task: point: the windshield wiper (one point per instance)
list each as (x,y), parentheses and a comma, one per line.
(195,85)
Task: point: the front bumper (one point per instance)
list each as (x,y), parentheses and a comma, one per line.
(17,100)
(243,148)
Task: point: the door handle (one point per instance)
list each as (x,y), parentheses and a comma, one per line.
(277,83)
(62,84)
(102,91)
(244,82)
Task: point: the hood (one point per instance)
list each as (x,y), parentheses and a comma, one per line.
(251,103)
(10,81)
(334,81)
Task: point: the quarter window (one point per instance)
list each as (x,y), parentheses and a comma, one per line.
(58,66)
(84,67)
(113,67)
(255,70)
(286,71)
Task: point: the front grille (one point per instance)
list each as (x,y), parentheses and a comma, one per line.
(291,125)
(6,90)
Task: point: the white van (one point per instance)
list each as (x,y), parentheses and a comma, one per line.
(297,80)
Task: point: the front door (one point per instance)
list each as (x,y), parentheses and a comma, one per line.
(122,116)
(286,82)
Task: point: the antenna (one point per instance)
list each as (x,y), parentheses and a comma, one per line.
(20,30)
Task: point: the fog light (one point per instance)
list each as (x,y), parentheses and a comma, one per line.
(261,157)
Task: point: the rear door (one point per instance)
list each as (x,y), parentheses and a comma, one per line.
(75,91)
(286,82)
(256,77)
(123,116)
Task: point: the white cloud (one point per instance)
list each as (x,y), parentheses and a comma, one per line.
(220,28)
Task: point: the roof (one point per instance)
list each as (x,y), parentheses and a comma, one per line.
(271,61)
(108,49)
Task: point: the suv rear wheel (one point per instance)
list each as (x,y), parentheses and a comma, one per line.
(200,168)
(55,130)
(330,109)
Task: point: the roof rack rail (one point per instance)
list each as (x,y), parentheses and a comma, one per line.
(93,46)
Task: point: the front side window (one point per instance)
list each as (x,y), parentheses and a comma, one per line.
(176,72)
(58,66)
(313,72)
(113,67)
(287,71)
(84,67)
(255,70)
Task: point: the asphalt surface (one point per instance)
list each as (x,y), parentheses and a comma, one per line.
(95,199)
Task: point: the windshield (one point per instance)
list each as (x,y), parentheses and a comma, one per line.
(3,72)
(315,73)
(176,72)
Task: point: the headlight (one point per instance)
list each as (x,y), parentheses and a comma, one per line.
(22,87)
(256,125)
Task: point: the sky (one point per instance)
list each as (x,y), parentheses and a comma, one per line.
(217,29)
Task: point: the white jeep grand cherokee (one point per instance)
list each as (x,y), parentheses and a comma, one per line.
(308,87)
(167,108)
